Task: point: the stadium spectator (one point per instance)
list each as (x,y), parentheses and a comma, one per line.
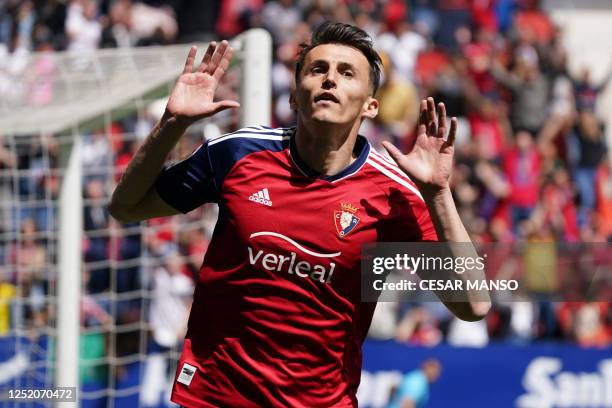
(484,16)
(282,81)
(456,18)
(96,221)
(540,279)
(494,190)
(97,155)
(130,249)
(530,91)
(8,292)
(168,313)
(588,92)
(153,25)
(467,334)
(425,16)
(522,166)
(556,207)
(402,44)
(122,156)
(452,83)
(418,327)
(30,260)
(478,53)
(488,130)
(384,321)
(52,22)
(8,160)
(82,26)
(42,77)
(281,18)
(413,389)
(236,16)
(603,181)
(522,321)
(585,322)
(134,23)
(116,27)
(92,314)
(35,154)
(591,150)
(399,103)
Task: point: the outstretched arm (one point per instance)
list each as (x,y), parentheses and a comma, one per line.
(135,197)
(429,165)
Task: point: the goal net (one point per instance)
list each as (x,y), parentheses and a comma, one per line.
(84,300)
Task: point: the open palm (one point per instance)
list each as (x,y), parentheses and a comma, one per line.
(193,95)
(430,162)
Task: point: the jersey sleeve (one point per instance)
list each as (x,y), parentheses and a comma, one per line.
(200,178)
(189,183)
(425,225)
(413,221)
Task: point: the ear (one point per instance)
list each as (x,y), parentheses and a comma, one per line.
(292,103)
(370,108)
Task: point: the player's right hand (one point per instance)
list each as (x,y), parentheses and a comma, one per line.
(193,95)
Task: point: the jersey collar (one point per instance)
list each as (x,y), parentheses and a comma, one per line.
(361,150)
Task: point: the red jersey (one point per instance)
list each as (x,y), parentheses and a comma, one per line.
(277,318)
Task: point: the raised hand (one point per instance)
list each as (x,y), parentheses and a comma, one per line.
(193,95)
(430,162)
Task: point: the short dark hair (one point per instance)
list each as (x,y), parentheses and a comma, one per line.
(343,34)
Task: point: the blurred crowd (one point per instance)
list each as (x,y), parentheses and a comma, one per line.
(532,160)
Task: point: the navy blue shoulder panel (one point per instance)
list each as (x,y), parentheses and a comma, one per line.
(198,179)
(187,184)
(225,151)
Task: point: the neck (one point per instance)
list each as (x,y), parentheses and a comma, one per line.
(326,149)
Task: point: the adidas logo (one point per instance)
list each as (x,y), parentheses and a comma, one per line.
(261,197)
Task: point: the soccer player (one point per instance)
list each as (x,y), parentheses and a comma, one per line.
(277,319)
(413,389)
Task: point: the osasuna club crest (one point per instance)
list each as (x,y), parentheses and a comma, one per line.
(345,219)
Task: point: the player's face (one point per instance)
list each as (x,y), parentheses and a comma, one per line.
(334,86)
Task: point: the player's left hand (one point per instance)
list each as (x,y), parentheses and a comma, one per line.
(430,162)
